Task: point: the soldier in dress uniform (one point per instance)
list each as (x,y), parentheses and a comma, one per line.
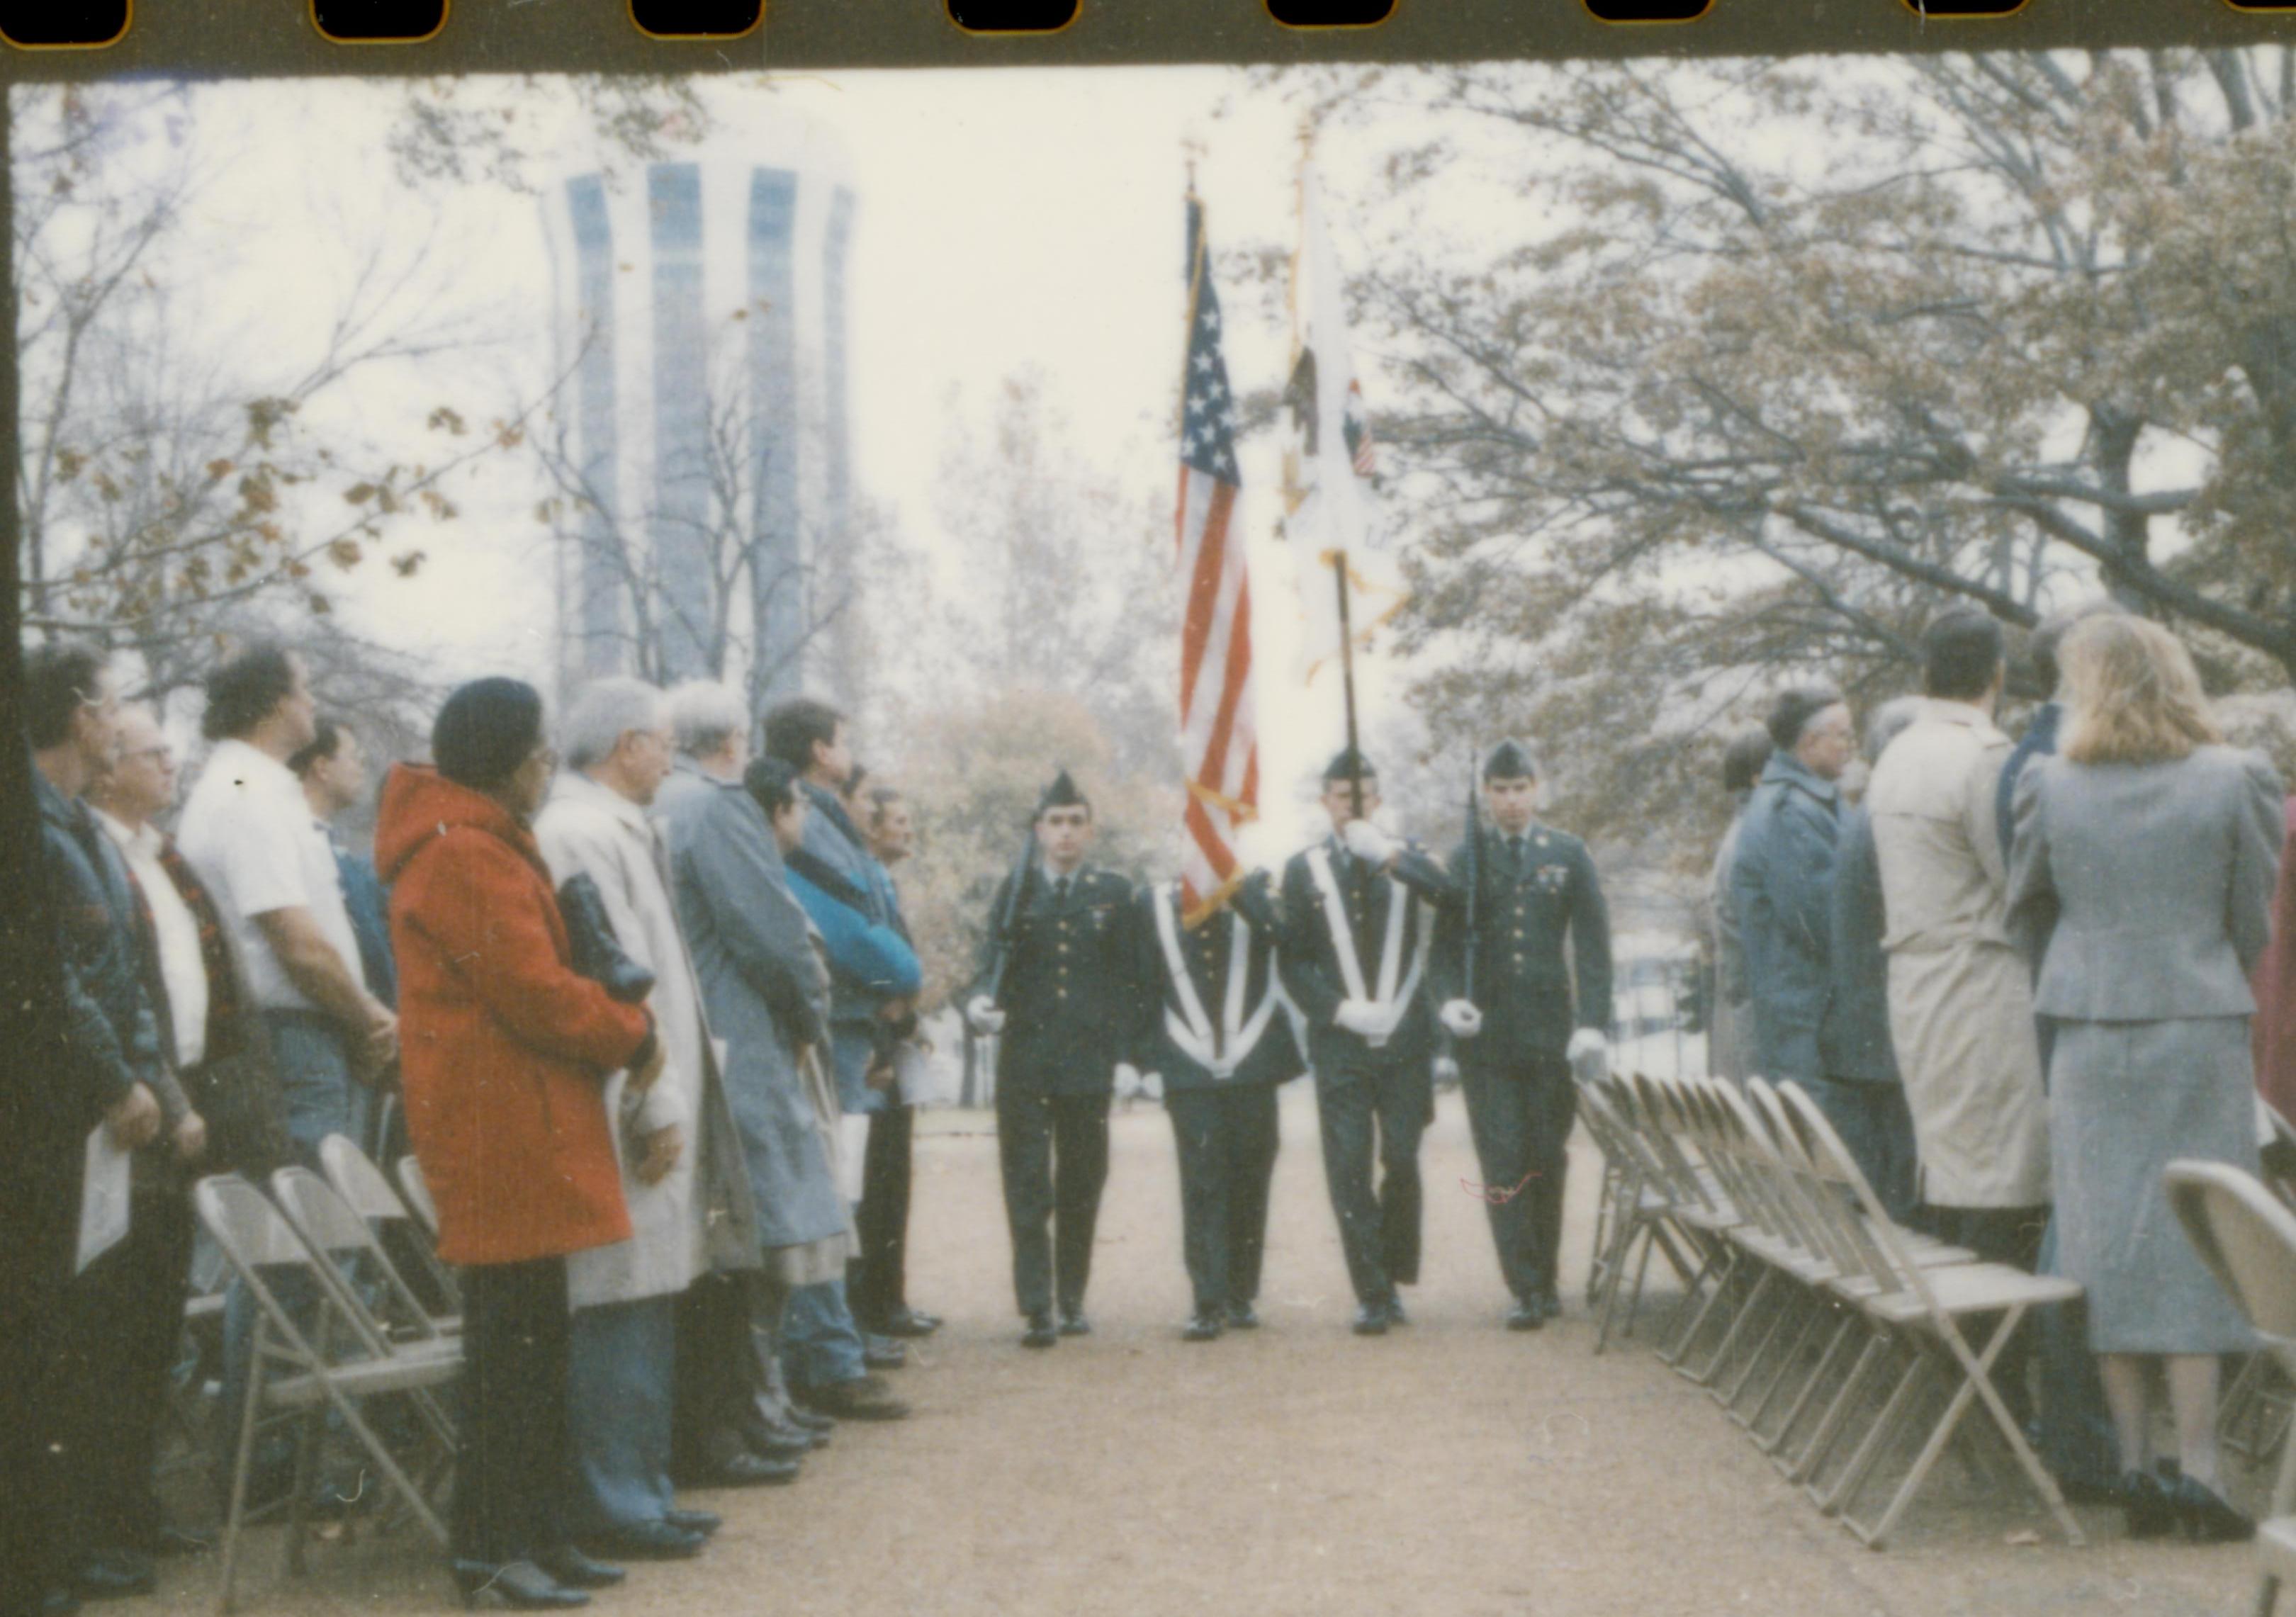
(1210,1023)
(1358,923)
(1519,1028)
(1068,995)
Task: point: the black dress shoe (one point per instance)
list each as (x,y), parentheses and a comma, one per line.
(1074,1324)
(2205,1514)
(1040,1332)
(702,1521)
(575,1570)
(1240,1317)
(864,1397)
(1550,1301)
(2147,1511)
(518,1585)
(116,1575)
(1527,1314)
(790,1442)
(748,1470)
(1203,1325)
(882,1352)
(642,1541)
(1395,1314)
(58,1601)
(909,1322)
(1370,1319)
(812,1420)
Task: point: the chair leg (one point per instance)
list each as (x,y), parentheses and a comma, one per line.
(2267,1595)
(1779,1444)
(1813,1322)
(1834,1421)
(1671,1353)
(234,1514)
(299,1501)
(1611,1282)
(1886,1424)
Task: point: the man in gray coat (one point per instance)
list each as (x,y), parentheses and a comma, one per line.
(766,992)
(1781,879)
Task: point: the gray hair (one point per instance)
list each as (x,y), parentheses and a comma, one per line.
(605,712)
(704,714)
(1883,724)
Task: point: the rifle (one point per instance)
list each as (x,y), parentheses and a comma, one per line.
(1009,917)
(1473,873)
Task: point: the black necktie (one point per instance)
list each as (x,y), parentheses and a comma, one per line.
(1514,853)
(1061,892)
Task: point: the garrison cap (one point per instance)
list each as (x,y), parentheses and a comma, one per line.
(1062,793)
(1347,763)
(1511,760)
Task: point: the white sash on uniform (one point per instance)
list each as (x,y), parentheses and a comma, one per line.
(1189,1029)
(1393,997)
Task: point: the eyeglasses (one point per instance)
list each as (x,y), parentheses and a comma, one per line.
(162,751)
(549,757)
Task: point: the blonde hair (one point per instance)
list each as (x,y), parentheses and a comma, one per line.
(2133,693)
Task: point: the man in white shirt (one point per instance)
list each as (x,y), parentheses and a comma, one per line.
(247,830)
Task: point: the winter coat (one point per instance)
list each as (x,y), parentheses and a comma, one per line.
(1730,1026)
(504,1051)
(112,1038)
(2275,988)
(1781,886)
(1858,1010)
(702,1207)
(1960,999)
(766,992)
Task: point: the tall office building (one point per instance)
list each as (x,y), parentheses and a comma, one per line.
(702,441)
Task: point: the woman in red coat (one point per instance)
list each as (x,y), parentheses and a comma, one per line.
(2274,1028)
(504,1055)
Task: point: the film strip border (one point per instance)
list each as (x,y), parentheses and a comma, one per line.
(68,40)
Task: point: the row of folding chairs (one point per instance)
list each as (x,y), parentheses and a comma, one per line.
(351,1304)
(1846,1345)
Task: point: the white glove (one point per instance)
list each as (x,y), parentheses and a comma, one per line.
(1368,842)
(1128,1080)
(1152,1084)
(983,1017)
(1362,1018)
(1461,1019)
(1588,1050)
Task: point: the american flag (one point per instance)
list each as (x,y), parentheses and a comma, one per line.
(1220,739)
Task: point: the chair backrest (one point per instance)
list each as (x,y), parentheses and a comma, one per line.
(2247,1239)
(1879,1242)
(1796,1182)
(253,1237)
(359,1181)
(418,1192)
(362,1271)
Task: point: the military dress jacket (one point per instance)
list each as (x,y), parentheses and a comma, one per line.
(1221,1021)
(1538,918)
(1068,988)
(1315,974)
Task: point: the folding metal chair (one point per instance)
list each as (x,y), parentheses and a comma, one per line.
(1922,1309)
(336,1366)
(2247,1236)
(1646,1204)
(186,1443)
(337,1233)
(409,1242)
(417,1192)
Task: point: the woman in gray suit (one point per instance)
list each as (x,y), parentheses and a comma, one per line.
(2156,846)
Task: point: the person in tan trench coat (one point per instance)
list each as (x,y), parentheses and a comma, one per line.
(1960,999)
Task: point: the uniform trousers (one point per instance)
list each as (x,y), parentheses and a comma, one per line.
(1365,1104)
(1520,1109)
(511,1468)
(1054,1152)
(723,1366)
(1227,1136)
(621,1376)
(122,1319)
(878,1286)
